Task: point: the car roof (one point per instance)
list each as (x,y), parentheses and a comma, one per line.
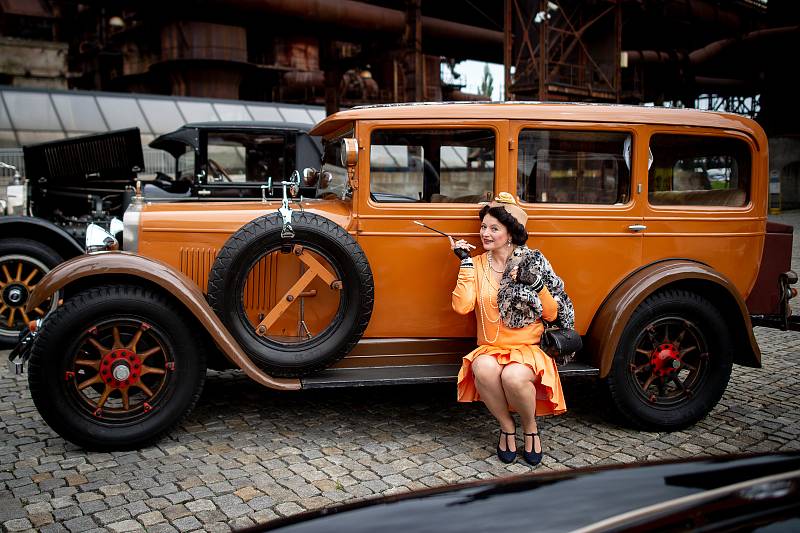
(564,112)
(248,124)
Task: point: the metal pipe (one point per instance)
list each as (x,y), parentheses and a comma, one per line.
(711,50)
(361,16)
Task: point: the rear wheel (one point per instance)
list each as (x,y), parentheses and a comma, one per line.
(673,362)
(23,262)
(115,367)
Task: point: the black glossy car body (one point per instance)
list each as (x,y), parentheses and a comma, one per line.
(712,494)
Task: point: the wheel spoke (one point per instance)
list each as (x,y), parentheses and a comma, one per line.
(125,403)
(666,333)
(19,272)
(104,396)
(25,316)
(115,333)
(643,351)
(100,348)
(152,370)
(648,382)
(9,279)
(686,350)
(93,363)
(688,367)
(38,310)
(144,388)
(3,309)
(148,353)
(679,339)
(11,317)
(90,381)
(637,369)
(27,280)
(136,336)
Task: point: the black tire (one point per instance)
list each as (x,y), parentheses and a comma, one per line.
(257,239)
(37,259)
(647,386)
(60,357)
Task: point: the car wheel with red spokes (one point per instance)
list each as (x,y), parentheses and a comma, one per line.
(116,367)
(672,363)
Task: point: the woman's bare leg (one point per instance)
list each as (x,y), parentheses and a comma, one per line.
(487,380)
(519,389)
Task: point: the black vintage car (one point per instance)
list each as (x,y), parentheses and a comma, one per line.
(83,180)
(757,493)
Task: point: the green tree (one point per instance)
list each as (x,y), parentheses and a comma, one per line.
(487,85)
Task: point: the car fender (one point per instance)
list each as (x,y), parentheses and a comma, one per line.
(40,230)
(114,265)
(617,309)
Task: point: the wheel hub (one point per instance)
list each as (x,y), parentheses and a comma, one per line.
(15,295)
(665,359)
(120,368)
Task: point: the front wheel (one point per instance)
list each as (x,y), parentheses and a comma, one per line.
(672,363)
(115,367)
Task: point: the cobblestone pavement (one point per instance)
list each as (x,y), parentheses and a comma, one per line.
(247,454)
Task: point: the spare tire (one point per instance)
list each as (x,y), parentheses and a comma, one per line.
(253,288)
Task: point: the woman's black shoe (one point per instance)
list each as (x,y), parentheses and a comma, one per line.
(531,457)
(507,456)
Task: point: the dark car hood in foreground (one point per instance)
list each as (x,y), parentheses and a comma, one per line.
(675,495)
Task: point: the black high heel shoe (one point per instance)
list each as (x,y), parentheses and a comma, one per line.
(507,456)
(532,457)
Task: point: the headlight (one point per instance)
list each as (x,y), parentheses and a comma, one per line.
(98,239)
(130,227)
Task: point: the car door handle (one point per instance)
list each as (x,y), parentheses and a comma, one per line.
(637,227)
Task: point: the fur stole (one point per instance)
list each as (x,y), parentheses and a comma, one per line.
(519,305)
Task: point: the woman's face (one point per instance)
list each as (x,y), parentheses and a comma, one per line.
(494,234)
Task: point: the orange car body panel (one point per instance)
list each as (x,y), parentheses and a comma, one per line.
(590,246)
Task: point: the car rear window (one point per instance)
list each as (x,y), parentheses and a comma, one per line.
(573,167)
(432,165)
(699,170)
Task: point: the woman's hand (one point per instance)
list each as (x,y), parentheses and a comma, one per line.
(460,247)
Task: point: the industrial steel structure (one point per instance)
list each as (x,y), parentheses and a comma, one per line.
(725,55)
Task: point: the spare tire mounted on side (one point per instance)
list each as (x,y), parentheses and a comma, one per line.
(255,285)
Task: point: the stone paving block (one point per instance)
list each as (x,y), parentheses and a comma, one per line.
(260,464)
(81,523)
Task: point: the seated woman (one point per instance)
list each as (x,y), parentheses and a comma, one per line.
(508,370)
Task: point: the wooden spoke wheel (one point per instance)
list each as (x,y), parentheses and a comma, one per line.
(117,366)
(23,263)
(120,369)
(672,363)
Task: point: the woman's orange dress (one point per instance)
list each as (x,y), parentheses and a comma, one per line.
(476,290)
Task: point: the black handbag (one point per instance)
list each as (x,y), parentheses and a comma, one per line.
(560,343)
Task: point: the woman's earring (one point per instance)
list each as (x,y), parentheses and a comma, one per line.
(508,242)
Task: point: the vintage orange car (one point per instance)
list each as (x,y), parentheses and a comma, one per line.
(655,218)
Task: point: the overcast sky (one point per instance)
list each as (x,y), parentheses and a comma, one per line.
(472,75)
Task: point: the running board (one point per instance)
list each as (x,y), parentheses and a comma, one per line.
(407,375)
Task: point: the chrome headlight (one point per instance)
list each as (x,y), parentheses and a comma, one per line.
(99,240)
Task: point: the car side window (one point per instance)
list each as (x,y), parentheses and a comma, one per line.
(455,166)
(574,167)
(699,170)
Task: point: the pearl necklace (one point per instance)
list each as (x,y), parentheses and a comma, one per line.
(484,315)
